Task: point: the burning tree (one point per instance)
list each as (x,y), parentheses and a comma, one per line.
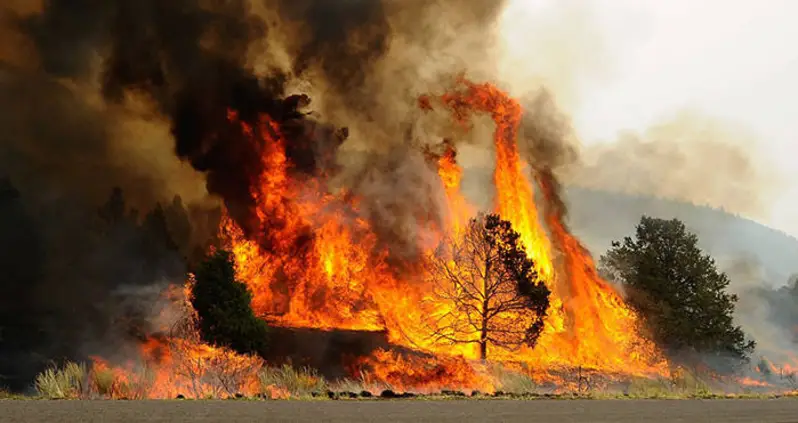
(488,287)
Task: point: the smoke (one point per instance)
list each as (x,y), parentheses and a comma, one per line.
(136,95)
(766,312)
(690,157)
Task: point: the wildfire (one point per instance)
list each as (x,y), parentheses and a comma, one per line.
(312,261)
(588,324)
(451,174)
(178,363)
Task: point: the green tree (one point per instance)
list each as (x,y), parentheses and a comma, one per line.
(678,291)
(224,314)
(490,287)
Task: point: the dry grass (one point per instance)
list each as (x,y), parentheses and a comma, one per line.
(103,381)
(363,383)
(67,382)
(514,382)
(297,384)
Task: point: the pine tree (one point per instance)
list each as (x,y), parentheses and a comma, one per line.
(225,317)
(678,291)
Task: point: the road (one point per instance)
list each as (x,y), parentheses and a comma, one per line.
(403,411)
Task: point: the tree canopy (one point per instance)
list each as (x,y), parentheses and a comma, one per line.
(488,286)
(678,291)
(222,303)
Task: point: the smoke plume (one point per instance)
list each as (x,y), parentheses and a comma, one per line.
(137,95)
(691,157)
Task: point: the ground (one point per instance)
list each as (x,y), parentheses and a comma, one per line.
(404,411)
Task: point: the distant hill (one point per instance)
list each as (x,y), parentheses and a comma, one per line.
(599,217)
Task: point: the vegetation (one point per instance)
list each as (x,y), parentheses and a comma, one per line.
(291,383)
(224,315)
(69,381)
(679,292)
(513,382)
(494,291)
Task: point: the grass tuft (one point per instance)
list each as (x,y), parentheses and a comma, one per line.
(67,382)
(296,384)
(513,381)
(103,381)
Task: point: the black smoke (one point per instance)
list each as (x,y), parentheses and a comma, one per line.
(73,241)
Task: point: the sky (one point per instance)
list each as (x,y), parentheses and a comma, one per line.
(626,64)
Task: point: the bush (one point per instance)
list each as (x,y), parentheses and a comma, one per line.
(300,383)
(69,381)
(225,317)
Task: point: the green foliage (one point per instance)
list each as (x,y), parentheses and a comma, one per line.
(69,381)
(299,384)
(521,269)
(225,317)
(678,291)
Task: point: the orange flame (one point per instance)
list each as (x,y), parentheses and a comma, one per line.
(311,260)
(588,324)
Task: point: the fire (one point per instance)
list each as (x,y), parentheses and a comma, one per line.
(747,381)
(315,263)
(451,175)
(178,364)
(588,324)
(426,375)
(312,261)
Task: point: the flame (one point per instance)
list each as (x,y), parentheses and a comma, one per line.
(311,260)
(747,381)
(425,374)
(339,279)
(451,175)
(588,324)
(178,364)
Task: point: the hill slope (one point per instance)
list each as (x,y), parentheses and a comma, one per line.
(739,245)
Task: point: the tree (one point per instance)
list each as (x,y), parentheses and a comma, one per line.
(678,291)
(225,317)
(488,287)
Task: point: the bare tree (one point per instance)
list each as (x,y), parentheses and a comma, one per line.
(485,288)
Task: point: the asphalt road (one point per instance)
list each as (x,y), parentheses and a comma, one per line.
(409,411)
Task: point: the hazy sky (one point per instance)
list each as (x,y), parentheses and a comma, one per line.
(626,64)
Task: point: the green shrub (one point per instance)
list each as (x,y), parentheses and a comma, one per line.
(224,314)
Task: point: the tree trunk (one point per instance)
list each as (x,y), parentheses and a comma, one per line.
(483,338)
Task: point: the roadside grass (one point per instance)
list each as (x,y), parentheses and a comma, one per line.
(286,382)
(77,381)
(514,382)
(69,381)
(363,383)
(6,394)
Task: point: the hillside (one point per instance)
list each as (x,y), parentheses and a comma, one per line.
(739,244)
